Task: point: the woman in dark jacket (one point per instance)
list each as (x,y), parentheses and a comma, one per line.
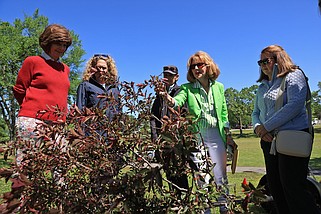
(99,86)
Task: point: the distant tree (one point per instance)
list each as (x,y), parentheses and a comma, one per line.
(3,131)
(17,41)
(316,102)
(248,96)
(232,101)
(240,106)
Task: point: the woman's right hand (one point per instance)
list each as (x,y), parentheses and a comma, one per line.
(93,70)
(160,89)
(169,100)
(159,86)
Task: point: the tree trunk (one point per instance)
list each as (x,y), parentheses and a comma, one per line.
(241,129)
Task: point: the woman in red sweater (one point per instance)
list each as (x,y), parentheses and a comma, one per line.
(42,84)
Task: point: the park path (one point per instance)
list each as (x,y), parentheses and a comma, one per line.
(248,169)
(262,170)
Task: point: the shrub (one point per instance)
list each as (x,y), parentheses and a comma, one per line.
(92,164)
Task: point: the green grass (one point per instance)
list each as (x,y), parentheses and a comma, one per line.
(4,187)
(250,153)
(315,161)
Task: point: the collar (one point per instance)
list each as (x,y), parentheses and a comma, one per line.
(102,86)
(197,84)
(47,57)
(172,86)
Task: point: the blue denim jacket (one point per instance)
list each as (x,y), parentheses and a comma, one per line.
(87,96)
(293,115)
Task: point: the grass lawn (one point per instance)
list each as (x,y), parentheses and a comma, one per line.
(4,187)
(250,153)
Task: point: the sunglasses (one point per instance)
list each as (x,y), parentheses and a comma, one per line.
(264,61)
(101,55)
(199,65)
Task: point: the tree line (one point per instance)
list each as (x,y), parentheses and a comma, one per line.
(20,39)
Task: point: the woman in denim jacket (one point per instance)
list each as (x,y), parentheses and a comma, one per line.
(286,175)
(100,79)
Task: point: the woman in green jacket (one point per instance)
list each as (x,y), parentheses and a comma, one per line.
(206,102)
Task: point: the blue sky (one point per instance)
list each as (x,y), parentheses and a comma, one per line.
(144,35)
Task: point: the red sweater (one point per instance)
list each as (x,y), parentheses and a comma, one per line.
(42,84)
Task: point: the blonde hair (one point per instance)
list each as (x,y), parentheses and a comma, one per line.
(92,62)
(212,69)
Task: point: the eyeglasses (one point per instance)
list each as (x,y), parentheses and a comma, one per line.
(264,61)
(101,55)
(165,68)
(199,65)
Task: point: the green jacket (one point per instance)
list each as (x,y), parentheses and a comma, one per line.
(192,96)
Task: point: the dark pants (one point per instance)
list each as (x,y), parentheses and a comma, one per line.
(181,181)
(170,165)
(287,180)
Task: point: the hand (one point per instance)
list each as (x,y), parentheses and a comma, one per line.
(93,70)
(165,80)
(267,137)
(169,100)
(263,133)
(231,147)
(160,88)
(231,142)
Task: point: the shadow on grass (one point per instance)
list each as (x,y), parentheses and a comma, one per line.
(3,163)
(317,129)
(315,163)
(244,135)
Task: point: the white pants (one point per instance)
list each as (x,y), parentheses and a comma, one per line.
(217,152)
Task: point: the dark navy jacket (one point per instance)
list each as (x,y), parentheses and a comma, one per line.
(87,96)
(160,109)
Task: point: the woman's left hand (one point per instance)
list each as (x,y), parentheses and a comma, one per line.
(231,142)
(268,137)
(263,133)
